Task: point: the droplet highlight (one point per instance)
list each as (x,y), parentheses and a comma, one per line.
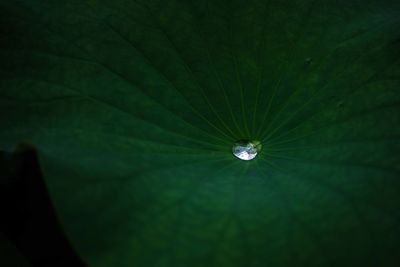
(246,150)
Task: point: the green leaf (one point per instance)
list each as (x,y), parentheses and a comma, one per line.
(134,107)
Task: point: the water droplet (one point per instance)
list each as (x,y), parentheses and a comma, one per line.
(246,150)
(340,104)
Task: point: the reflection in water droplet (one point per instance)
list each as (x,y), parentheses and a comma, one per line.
(246,150)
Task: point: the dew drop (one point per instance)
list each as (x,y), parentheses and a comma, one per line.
(340,104)
(246,150)
(309,61)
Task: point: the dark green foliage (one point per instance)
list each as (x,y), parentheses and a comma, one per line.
(134,106)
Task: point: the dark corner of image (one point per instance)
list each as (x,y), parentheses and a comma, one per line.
(30,232)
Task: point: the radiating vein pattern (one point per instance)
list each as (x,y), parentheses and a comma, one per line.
(135,108)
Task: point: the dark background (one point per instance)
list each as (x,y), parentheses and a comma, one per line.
(30,233)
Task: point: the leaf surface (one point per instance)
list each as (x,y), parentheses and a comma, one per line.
(134,107)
